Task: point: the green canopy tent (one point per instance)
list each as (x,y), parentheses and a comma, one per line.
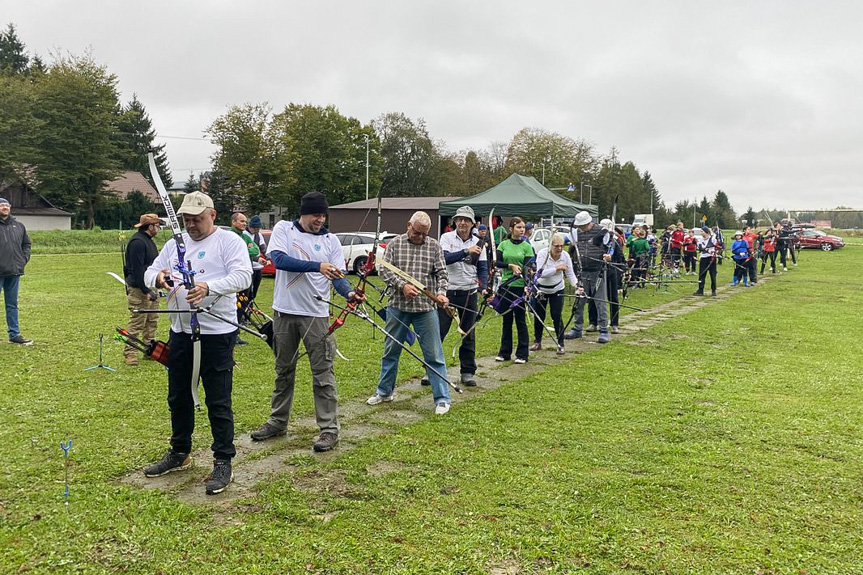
(521,196)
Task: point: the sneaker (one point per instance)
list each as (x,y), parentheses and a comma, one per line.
(785,269)
(441,408)
(536,347)
(561,351)
(376,399)
(520,360)
(172,461)
(591,328)
(698,293)
(325,442)
(266,431)
(499,358)
(130,360)
(572,334)
(614,329)
(425,381)
(713,293)
(468,380)
(20,340)
(603,337)
(221,476)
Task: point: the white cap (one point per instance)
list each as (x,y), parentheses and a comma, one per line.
(465,212)
(607,224)
(195,203)
(582,219)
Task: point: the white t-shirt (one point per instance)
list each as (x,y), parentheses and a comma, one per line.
(294,293)
(551,280)
(462,275)
(221,260)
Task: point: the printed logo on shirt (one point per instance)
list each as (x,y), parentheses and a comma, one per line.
(317,247)
(201,254)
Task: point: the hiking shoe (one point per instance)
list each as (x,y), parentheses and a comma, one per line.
(536,347)
(220,477)
(572,334)
(520,360)
(603,337)
(172,461)
(325,442)
(20,340)
(425,381)
(500,358)
(468,380)
(376,399)
(441,408)
(614,329)
(267,431)
(591,328)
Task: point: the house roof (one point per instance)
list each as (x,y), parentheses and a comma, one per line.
(27,202)
(410,203)
(128,182)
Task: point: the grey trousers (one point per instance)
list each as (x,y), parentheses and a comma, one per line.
(593,283)
(289,330)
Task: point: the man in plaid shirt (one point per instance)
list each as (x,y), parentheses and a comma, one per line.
(421,257)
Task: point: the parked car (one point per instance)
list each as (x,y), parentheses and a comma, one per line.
(818,239)
(540,238)
(357,245)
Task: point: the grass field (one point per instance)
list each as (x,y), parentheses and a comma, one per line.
(726,440)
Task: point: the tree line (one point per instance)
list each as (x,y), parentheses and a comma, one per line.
(66,132)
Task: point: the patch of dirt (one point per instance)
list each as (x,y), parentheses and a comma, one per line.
(383,467)
(505,568)
(330,481)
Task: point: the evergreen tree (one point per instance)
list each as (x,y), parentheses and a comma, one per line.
(409,155)
(134,139)
(13,56)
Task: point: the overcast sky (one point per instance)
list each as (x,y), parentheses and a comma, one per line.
(759,99)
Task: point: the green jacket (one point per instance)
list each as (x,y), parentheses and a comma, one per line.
(254,250)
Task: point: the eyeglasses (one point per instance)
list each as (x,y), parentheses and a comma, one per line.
(418,234)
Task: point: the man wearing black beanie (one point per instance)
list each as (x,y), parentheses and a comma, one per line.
(307,258)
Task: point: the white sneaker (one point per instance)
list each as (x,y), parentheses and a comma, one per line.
(519,360)
(376,399)
(499,358)
(441,408)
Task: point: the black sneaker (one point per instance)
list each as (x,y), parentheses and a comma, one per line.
(20,340)
(220,477)
(172,461)
(468,380)
(325,442)
(267,431)
(425,381)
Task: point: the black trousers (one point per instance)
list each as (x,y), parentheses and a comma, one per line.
(752,269)
(707,266)
(554,302)
(509,295)
(772,256)
(256,282)
(217,367)
(466,303)
(675,257)
(689,261)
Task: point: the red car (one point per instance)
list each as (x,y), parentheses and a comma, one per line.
(818,239)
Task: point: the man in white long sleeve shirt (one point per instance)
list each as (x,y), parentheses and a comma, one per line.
(221,265)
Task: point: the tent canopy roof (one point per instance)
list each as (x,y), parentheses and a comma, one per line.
(521,196)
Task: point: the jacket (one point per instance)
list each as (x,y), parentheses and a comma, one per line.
(14,247)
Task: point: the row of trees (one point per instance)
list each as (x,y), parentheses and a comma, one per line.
(65,131)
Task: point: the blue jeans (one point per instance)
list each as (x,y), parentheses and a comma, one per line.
(9,287)
(426,326)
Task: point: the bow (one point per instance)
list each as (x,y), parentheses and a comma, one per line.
(186,272)
(425,290)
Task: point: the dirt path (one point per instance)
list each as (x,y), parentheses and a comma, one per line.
(259,461)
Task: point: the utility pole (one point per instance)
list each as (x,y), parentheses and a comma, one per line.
(367,165)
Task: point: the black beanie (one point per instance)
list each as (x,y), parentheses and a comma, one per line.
(313,203)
